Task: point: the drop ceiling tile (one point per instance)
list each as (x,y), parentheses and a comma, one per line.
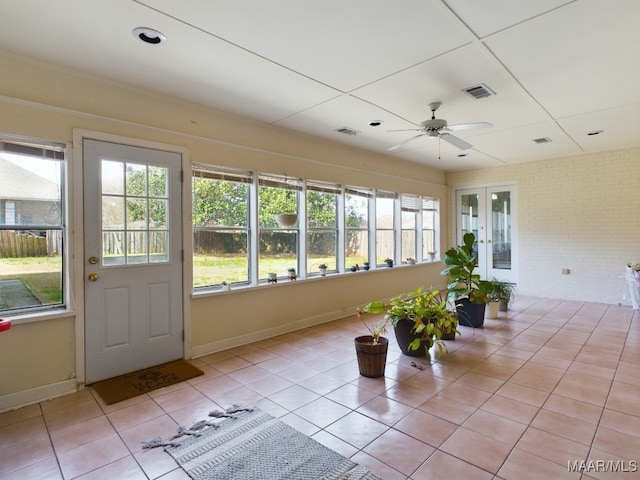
(341,44)
(590,62)
(490,16)
(517,145)
(408,93)
(621,128)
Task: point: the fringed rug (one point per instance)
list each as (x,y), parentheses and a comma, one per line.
(250,444)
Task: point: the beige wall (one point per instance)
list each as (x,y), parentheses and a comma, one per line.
(580,213)
(49,103)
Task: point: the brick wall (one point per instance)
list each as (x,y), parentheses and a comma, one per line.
(580,213)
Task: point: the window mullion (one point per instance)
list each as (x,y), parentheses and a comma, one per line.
(254,232)
(373,228)
(341,233)
(302,231)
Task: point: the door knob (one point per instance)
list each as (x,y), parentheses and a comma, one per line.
(93,277)
(93,260)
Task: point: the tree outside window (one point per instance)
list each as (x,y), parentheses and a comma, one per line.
(220,226)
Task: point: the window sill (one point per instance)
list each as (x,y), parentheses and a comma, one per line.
(31,317)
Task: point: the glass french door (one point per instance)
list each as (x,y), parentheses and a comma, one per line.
(489,212)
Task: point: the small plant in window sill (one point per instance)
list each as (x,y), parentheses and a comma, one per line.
(225,286)
(389,262)
(411,261)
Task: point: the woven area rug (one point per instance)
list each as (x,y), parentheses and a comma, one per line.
(143,381)
(252,445)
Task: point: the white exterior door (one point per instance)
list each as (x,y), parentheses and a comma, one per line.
(489,213)
(133,258)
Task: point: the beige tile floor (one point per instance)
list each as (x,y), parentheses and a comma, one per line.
(549,383)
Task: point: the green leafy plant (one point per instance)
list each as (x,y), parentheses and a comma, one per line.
(379,328)
(500,291)
(461,262)
(426,309)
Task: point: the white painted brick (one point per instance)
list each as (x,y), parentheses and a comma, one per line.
(581,213)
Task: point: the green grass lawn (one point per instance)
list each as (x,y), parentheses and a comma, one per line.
(213,270)
(40,274)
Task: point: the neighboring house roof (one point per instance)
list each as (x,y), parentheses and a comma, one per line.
(14,179)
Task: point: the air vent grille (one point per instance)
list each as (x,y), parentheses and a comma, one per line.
(348,131)
(479,91)
(542,140)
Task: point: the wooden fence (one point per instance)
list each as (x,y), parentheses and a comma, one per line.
(18,244)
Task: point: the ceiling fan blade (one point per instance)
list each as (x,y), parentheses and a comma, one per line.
(404,142)
(407,130)
(455,141)
(467,126)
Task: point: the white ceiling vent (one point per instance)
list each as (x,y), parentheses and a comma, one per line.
(479,91)
(348,131)
(542,140)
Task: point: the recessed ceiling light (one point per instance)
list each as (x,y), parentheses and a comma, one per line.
(149,35)
(375,123)
(542,140)
(595,132)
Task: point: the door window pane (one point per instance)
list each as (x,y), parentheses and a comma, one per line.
(501,225)
(134,215)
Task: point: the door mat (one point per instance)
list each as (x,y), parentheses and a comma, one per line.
(133,384)
(249,444)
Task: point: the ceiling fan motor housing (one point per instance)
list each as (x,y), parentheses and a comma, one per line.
(433,126)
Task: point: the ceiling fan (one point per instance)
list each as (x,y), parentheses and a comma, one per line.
(436,127)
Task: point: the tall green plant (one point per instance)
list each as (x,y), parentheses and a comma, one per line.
(463,282)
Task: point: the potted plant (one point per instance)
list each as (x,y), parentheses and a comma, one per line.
(420,320)
(389,262)
(371,350)
(323,269)
(465,288)
(503,293)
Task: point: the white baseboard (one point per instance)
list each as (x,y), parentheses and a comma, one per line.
(36,395)
(213,347)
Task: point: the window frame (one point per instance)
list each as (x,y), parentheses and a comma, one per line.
(59,152)
(206,171)
(259,223)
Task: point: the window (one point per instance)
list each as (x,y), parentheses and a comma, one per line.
(32,219)
(356,220)
(409,209)
(220,226)
(322,225)
(241,239)
(278,245)
(385,241)
(430,208)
